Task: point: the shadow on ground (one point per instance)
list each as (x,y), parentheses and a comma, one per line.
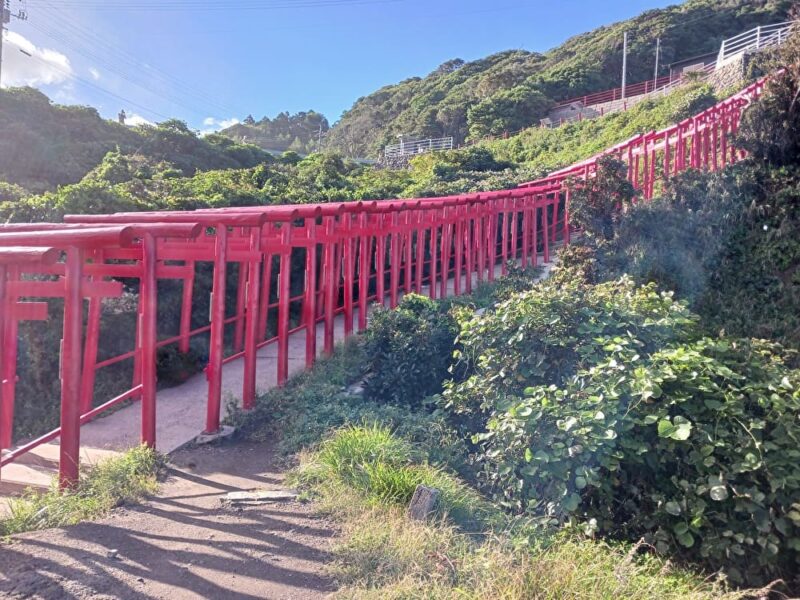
(183,543)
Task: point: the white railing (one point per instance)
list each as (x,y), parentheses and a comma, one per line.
(414,147)
(763,36)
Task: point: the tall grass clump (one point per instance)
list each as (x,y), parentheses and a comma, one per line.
(110,483)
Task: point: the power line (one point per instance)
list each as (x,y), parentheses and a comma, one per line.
(88,83)
(94,41)
(211,5)
(111,67)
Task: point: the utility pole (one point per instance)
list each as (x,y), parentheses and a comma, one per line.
(658,51)
(624,61)
(5,19)
(319,138)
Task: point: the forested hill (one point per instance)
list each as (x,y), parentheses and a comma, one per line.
(514,89)
(301,132)
(44,145)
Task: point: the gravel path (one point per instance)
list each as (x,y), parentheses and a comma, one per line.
(183,543)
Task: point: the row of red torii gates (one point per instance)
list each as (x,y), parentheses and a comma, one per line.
(352,254)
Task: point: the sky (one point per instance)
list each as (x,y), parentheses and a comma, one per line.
(213,62)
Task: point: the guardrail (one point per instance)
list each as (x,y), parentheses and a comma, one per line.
(760,37)
(339,257)
(414,147)
(635,89)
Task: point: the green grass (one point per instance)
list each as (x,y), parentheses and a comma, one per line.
(108,484)
(364,476)
(544,149)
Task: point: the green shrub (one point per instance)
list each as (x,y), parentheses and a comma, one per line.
(694,448)
(409,351)
(547,334)
(597,205)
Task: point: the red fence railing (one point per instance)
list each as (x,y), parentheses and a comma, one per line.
(318,262)
(634,89)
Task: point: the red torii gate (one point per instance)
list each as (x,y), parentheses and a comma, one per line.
(354,253)
(73,286)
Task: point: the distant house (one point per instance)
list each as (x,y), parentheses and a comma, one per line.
(695,63)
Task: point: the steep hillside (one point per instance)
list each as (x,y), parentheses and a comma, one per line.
(513,89)
(301,132)
(44,145)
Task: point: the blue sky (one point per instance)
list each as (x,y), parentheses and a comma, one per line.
(210,62)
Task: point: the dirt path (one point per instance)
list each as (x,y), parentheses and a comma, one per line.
(183,543)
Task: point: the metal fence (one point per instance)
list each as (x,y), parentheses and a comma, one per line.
(414,147)
(760,37)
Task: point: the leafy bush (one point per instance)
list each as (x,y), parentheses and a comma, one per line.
(546,335)
(597,204)
(409,350)
(694,447)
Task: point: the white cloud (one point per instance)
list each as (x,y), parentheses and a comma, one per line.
(132,120)
(24,63)
(213,125)
(94,73)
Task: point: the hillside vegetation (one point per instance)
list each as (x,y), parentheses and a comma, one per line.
(626,428)
(301,132)
(46,145)
(514,89)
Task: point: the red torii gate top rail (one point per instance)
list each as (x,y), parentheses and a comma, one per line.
(342,256)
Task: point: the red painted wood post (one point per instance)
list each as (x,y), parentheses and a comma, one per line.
(217,341)
(310,299)
(349,259)
(408,237)
(724,140)
(8,375)
(434,279)
(535,231)
(545,230)
(514,227)
(526,224)
(469,254)
(394,260)
(491,241)
(652,173)
(380,259)
(645,167)
(6,423)
(252,323)
(631,177)
(284,294)
(504,233)
(420,266)
(70,439)
(447,240)
(554,221)
(566,234)
(715,144)
(329,271)
(266,283)
(149,324)
(90,346)
(478,239)
(458,248)
(186,308)
(667,156)
(241,299)
(364,270)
